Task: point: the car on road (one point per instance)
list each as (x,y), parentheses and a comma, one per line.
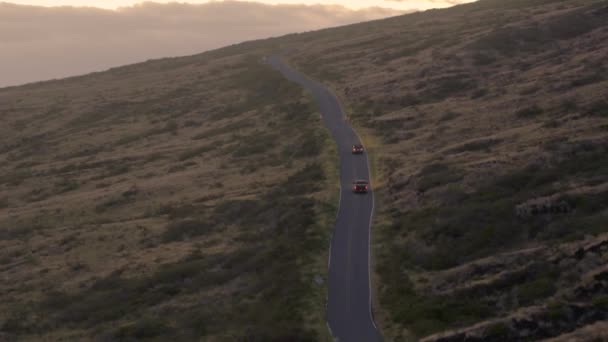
(358,149)
(360,186)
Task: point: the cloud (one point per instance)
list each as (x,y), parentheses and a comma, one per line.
(38,43)
(442,2)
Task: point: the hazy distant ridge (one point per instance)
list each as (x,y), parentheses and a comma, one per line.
(41,43)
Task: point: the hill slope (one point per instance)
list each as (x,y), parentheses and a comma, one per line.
(175,198)
(181,198)
(487,124)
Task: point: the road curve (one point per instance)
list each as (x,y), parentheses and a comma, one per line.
(349,313)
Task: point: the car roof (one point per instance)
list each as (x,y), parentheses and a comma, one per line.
(358,145)
(360,181)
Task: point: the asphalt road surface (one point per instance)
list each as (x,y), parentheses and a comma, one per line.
(349,312)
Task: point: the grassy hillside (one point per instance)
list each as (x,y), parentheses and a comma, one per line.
(185,198)
(488,129)
(193,197)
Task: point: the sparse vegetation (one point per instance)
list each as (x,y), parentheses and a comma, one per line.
(449,116)
(598,108)
(217,240)
(195,152)
(187,229)
(526,89)
(437,174)
(467,121)
(477,145)
(529,112)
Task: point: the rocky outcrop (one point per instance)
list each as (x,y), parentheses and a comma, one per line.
(578,304)
(530,324)
(542,206)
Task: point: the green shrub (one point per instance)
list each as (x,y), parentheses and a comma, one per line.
(590,77)
(498,331)
(231,127)
(600,302)
(482,59)
(449,116)
(144,328)
(116,168)
(529,112)
(535,290)
(195,152)
(66,184)
(477,145)
(20,230)
(187,229)
(572,25)
(479,93)
(598,108)
(557,311)
(569,104)
(511,40)
(115,201)
(256,143)
(448,86)
(309,145)
(437,174)
(553,123)
(15,178)
(426,314)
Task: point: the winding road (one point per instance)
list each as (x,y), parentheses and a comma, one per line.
(349,313)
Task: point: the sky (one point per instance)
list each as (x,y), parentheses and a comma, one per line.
(41,42)
(353,4)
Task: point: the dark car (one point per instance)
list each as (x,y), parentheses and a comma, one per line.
(357,149)
(360,186)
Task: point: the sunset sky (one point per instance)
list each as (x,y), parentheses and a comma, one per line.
(355,4)
(40,41)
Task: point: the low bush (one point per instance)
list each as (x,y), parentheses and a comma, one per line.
(15,178)
(573,24)
(309,145)
(66,184)
(272,305)
(476,145)
(600,302)
(231,127)
(429,314)
(448,86)
(117,200)
(482,223)
(195,152)
(253,144)
(448,116)
(482,59)
(511,40)
(498,331)
(535,290)
(437,174)
(598,108)
(187,229)
(529,112)
(144,328)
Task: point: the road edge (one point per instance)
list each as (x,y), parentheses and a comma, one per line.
(372,214)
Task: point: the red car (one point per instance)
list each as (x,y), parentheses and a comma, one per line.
(357,149)
(360,186)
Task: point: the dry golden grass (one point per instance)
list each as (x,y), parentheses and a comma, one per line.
(456,106)
(468,113)
(102,173)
